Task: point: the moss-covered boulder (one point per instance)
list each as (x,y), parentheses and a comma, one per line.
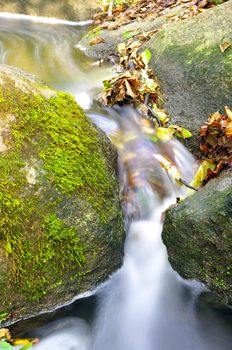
(73,10)
(61,228)
(195,76)
(198,236)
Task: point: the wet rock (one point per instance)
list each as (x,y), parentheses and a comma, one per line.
(197,234)
(67,9)
(61,228)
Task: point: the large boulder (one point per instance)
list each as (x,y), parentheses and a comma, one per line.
(72,10)
(61,228)
(195,76)
(197,234)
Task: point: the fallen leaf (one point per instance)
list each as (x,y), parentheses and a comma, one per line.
(228,112)
(146,56)
(129,90)
(161,114)
(179,131)
(164,134)
(130,34)
(5,346)
(224,46)
(97,40)
(202,172)
(229,130)
(5,334)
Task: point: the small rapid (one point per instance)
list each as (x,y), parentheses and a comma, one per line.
(144,305)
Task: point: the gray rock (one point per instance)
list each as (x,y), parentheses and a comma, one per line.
(198,236)
(61,228)
(112,38)
(67,9)
(195,76)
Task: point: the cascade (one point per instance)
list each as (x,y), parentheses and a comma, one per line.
(144,305)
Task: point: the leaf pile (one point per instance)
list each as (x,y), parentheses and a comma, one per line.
(134,79)
(136,84)
(147,10)
(216,142)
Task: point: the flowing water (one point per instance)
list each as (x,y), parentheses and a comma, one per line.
(145,305)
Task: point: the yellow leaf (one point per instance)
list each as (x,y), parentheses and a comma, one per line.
(164,134)
(229,130)
(202,172)
(179,131)
(5,334)
(97,40)
(122,49)
(228,112)
(215,116)
(164,118)
(17,342)
(224,46)
(169,167)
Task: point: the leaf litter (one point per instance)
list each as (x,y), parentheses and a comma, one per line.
(8,343)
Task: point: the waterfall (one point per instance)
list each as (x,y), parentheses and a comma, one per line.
(126,318)
(144,305)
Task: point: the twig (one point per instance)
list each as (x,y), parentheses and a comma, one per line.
(187,185)
(110,9)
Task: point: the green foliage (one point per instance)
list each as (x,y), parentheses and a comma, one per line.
(146,56)
(130,34)
(5,346)
(217,2)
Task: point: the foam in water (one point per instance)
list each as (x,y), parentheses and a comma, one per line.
(40,19)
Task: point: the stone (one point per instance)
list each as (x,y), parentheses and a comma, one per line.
(72,10)
(195,76)
(197,234)
(108,49)
(61,227)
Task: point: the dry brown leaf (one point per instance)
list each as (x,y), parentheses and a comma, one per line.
(129,90)
(97,40)
(216,143)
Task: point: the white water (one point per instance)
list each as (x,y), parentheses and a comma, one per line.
(144,305)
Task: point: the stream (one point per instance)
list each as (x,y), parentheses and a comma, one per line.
(144,305)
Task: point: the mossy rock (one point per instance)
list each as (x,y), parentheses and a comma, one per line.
(66,9)
(61,228)
(195,76)
(197,234)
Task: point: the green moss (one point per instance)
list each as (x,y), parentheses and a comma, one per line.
(217,2)
(56,132)
(56,250)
